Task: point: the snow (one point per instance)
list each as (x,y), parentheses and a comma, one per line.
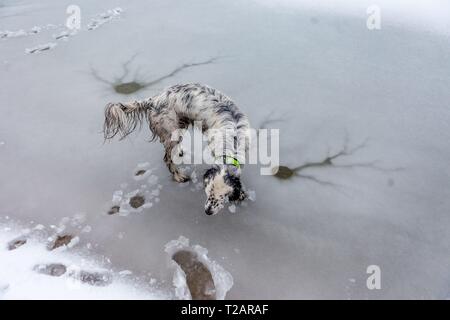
(223,280)
(125,272)
(41,47)
(316,69)
(20,279)
(104,17)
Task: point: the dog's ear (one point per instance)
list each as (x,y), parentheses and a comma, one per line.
(238,193)
(210,173)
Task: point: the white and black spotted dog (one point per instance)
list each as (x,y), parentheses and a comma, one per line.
(176,108)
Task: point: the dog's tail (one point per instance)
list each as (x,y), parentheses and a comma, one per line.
(123,118)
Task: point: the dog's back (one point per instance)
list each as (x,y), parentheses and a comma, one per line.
(180,105)
(197,102)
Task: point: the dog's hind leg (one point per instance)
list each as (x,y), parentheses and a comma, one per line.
(165,124)
(177,175)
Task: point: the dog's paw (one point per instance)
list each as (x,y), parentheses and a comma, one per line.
(181,177)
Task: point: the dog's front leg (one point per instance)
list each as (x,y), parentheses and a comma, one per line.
(177,175)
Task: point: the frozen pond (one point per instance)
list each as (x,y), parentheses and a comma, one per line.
(379,99)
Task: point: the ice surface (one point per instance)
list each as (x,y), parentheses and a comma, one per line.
(315,72)
(417,14)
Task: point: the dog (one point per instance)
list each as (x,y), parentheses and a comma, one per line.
(176,108)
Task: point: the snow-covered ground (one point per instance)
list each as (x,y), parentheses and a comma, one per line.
(23,276)
(314,71)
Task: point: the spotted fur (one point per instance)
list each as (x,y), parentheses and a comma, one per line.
(176,108)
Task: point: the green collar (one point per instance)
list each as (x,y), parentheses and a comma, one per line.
(230,160)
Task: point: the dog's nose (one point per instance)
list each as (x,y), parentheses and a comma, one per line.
(208,211)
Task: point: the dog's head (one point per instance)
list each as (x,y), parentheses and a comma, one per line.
(222,183)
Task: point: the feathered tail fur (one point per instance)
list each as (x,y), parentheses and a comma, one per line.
(123,118)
